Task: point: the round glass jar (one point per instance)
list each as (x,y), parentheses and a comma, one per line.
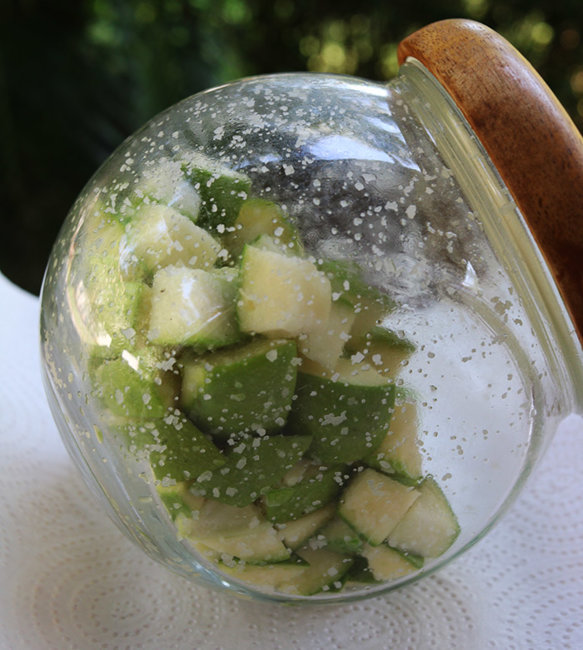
(299,340)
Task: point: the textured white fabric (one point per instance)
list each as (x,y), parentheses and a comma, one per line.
(70,579)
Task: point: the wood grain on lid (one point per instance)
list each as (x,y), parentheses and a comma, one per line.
(528,135)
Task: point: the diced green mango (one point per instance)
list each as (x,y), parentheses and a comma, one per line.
(273,576)
(132,386)
(374,504)
(180,451)
(110,318)
(319,487)
(325,344)
(399,452)
(241,533)
(360,572)
(106,297)
(241,390)
(430,527)
(160,236)
(267,243)
(165,182)
(341,537)
(347,412)
(176,449)
(103,248)
(215,517)
(296,532)
(281,295)
(325,573)
(194,307)
(382,348)
(252,466)
(259,217)
(258,545)
(386,563)
(222,191)
(178,501)
(304,468)
(369,303)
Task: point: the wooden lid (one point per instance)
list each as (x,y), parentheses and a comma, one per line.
(528,135)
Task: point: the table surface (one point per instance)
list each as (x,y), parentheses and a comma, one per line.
(70,579)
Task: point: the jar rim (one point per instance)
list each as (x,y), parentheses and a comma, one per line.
(504,224)
(530,138)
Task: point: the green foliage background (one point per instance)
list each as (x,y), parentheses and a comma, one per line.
(78,76)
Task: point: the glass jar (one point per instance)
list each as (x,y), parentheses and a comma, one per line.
(299,338)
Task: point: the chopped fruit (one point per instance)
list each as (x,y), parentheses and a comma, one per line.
(281,295)
(374,504)
(161,236)
(256,386)
(193,307)
(240,390)
(347,412)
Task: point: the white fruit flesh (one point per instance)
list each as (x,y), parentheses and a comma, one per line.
(430,527)
(237,532)
(281,295)
(162,236)
(399,452)
(192,306)
(325,344)
(386,563)
(295,533)
(256,545)
(274,576)
(373,504)
(166,183)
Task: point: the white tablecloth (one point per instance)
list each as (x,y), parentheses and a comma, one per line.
(70,579)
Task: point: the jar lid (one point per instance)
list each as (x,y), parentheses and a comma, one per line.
(528,135)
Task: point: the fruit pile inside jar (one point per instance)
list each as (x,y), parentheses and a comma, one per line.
(257,384)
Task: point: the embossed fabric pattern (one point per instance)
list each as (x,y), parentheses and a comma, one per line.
(70,579)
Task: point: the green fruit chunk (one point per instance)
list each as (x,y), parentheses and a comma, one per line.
(104,248)
(399,452)
(194,307)
(360,572)
(325,344)
(273,576)
(252,467)
(180,451)
(317,488)
(325,573)
(281,295)
(241,390)
(430,527)
(257,545)
(178,501)
(241,533)
(382,348)
(341,537)
(386,563)
(108,302)
(347,412)
(295,533)
(160,236)
(222,191)
(132,386)
(373,504)
(259,217)
(370,305)
(177,450)
(110,319)
(165,182)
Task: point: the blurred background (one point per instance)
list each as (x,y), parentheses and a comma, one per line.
(79,76)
